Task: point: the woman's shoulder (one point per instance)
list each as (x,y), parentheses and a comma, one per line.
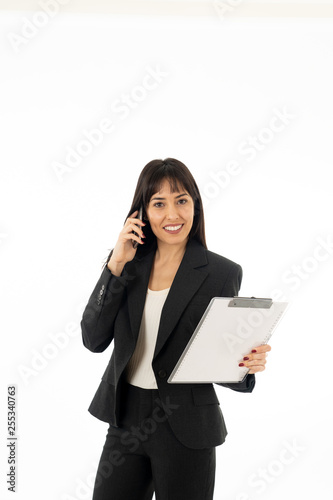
(218,259)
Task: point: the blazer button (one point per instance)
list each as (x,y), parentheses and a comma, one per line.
(162,373)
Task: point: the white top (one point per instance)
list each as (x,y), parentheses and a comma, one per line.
(139,371)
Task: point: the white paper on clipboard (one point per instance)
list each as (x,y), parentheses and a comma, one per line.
(228,330)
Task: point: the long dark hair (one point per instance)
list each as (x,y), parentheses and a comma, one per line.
(150,182)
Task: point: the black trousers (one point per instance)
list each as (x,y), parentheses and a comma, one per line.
(143,456)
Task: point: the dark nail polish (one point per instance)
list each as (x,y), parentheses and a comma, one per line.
(253,350)
(241,364)
(246,358)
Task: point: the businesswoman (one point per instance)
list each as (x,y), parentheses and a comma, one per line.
(149,299)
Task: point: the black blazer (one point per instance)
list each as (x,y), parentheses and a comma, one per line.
(114,312)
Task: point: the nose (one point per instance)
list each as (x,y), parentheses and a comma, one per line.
(172,213)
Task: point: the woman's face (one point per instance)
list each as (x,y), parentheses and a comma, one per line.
(168,209)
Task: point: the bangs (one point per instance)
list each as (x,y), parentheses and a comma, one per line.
(177,183)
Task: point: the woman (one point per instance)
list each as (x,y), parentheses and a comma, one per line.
(149,299)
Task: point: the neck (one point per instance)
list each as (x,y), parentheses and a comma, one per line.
(169,253)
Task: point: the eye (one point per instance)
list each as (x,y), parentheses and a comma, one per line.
(160,203)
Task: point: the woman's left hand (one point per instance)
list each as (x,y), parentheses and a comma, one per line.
(256,360)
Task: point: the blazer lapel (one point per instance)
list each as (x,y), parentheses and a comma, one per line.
(185,284)
(138,275)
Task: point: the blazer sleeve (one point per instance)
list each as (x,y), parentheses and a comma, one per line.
(99,315)
(230,289)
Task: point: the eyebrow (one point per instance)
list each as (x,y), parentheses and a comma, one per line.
(184,194)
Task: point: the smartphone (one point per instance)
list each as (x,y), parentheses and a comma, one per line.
(139,216)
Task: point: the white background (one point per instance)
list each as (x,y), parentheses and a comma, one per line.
(224,80)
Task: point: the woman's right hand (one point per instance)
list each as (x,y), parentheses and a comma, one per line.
(124,251)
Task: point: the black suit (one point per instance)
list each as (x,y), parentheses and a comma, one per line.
(114,312)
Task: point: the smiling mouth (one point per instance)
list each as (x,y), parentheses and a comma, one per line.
(174,229)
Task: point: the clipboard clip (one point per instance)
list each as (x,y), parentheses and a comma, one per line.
(252,302)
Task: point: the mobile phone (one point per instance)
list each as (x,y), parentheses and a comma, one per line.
(139,216)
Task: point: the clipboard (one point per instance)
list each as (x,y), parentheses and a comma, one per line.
(228,330)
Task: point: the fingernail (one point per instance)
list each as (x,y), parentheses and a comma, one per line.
(253,350)
(246,358)
(241,364)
